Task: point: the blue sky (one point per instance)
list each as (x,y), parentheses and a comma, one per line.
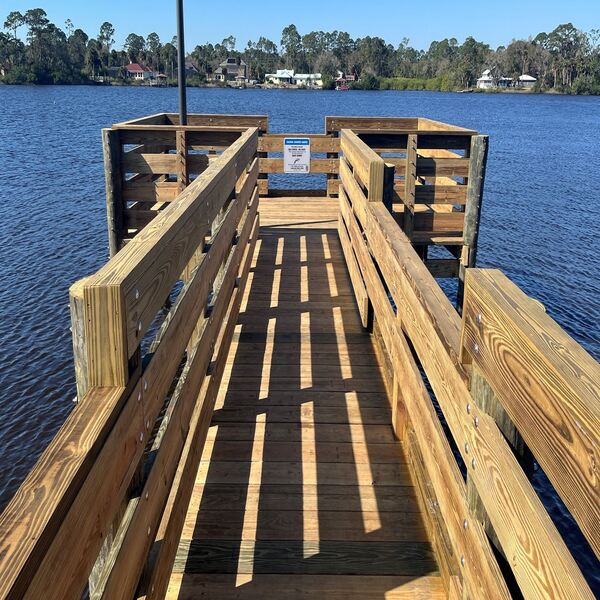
(495,22)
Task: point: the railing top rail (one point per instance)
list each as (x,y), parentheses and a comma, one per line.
(366,163)
(197,119)
(547,383)
(136,281)
(538,555)
(393,125)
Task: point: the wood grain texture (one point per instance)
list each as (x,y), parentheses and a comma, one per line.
(317,165)
(172,522)
(481,573)
(151,263)
(368,165)
(320,143)
(540,558)
(545,381)
(350,484)
(302,587)
(30,521)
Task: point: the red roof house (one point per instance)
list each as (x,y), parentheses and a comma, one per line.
(138,71)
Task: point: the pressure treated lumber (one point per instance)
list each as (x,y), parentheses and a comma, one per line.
(546,382)
(362,500)
(481,574)
(540,559)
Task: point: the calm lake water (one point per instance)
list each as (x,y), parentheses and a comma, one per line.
(540,221)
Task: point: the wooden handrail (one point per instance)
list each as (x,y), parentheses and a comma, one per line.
(546,382)
(539,558)
(74,493)
(366,163)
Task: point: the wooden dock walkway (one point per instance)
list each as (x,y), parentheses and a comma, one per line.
(303,490)
(276,398)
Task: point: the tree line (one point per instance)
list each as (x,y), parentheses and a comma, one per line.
(566,59)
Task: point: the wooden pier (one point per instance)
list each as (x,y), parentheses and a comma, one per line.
(277,399)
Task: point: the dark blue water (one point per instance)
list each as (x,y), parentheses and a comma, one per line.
(540,220)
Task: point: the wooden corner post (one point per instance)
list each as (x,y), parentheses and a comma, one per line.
(477,163)
(113,178)
(410,181)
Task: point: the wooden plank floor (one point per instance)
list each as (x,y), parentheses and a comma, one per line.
(302,491)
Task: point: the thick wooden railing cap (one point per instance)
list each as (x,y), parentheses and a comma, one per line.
(548,384)
(368,165)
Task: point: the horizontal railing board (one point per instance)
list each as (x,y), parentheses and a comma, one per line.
(539,557)
(273,142)
(156,191)
(125,574)
(31,519)
(156,119)
(448,167)
(431,124)
(147,268)
(317,165)
(434,194)
(156,379)
(333,124)
(483,575)
(547,383)
(213,120)
(198,136)
(173,519)
(358,285)
(159,164)
(396,142)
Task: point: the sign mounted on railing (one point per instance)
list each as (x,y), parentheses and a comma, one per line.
(296,155)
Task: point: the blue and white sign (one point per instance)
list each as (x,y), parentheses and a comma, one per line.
(296,155)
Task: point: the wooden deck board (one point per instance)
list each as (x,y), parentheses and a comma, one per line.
(302,491)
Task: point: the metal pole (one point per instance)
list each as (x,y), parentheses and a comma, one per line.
(181,65)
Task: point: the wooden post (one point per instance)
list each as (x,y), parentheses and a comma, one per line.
(113,177)
(477,163)
(388,185)
(182,163)
(263,178)
(410,181)
(335,155)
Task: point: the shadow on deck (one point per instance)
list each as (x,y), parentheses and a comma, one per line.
(303,490)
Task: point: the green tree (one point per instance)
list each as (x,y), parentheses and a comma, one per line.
(134,46)
(153,44)
(291,44)
(105,39)
(14,20)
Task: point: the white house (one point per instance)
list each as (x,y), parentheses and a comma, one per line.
(282,77)
(289,77)
(526,81)
(308,80)
(486,81)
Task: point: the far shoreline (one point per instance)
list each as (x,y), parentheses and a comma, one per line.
(491,92)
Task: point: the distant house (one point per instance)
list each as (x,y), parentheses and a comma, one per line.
(289,77)
(139,72)
(232,69)
(281,77)
(343,79)
(190,69)
(526,81)
(308,80)
(486,81)
(505,82)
